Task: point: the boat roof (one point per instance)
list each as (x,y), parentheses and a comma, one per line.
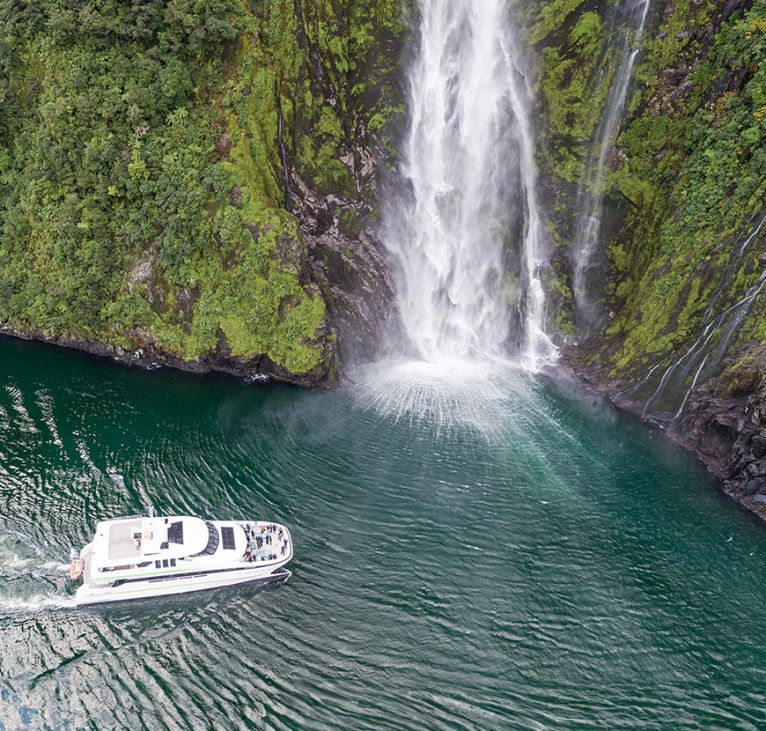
(129,540)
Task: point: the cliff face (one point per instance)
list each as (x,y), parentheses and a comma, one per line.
(669,317)
(197,184)
(194,183)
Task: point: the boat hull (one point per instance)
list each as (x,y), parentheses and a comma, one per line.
(149,588)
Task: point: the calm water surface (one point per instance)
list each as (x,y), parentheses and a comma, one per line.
(505,554)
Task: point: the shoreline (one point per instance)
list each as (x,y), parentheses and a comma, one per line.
(689,433)
(259,369)
(712,432)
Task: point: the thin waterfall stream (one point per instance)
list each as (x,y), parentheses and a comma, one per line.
(708,350)
(590,202)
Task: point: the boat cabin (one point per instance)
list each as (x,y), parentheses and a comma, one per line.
(143,542)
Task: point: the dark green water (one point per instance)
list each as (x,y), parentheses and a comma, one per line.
(503,555)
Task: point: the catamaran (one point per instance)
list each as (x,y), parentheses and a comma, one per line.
(145,556)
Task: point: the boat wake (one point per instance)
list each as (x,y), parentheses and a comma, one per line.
(35,603)
(27,582)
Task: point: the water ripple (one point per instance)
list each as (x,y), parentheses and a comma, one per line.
(515,556)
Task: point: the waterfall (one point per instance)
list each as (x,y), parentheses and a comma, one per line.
(591,196)
(466,235)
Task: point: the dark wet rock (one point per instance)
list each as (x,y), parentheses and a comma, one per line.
(723,425)
(348,265)
(235,197)
(758,445)
(724,422)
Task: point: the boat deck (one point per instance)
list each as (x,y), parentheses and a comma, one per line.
(121,543)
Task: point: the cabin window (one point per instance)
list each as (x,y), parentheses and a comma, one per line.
(157,564)
(172,562)
(176,532)
(227,536)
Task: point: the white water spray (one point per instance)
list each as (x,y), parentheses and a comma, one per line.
(469,159)
(591,198)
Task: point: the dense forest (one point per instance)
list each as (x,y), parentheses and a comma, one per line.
(144,153)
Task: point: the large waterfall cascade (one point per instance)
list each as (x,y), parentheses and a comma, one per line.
(590,202)
(469,161)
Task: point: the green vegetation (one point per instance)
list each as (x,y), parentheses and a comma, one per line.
(573,104)
(686,178)
(551,16)
(141,181)
(694,168)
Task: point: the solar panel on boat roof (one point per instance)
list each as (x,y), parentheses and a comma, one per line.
(176,532)
(227,536)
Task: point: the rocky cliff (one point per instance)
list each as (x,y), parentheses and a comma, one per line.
(669,320)
(194,183)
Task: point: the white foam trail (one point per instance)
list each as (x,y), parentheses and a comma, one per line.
(35,603)
(27,582)
(469,159)
(18,560)
(23,563)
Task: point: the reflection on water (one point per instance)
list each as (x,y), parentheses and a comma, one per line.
(474,549)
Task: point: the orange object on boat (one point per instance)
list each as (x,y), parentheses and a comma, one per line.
(76,568)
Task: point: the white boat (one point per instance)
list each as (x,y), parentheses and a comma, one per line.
(138,557)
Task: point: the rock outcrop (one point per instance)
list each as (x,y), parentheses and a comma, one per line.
(725,423)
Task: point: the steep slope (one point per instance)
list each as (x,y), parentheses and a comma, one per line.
(677,328)
(194,183)
(197,183)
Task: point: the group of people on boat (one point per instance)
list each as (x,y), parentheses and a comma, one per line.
(260,542)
